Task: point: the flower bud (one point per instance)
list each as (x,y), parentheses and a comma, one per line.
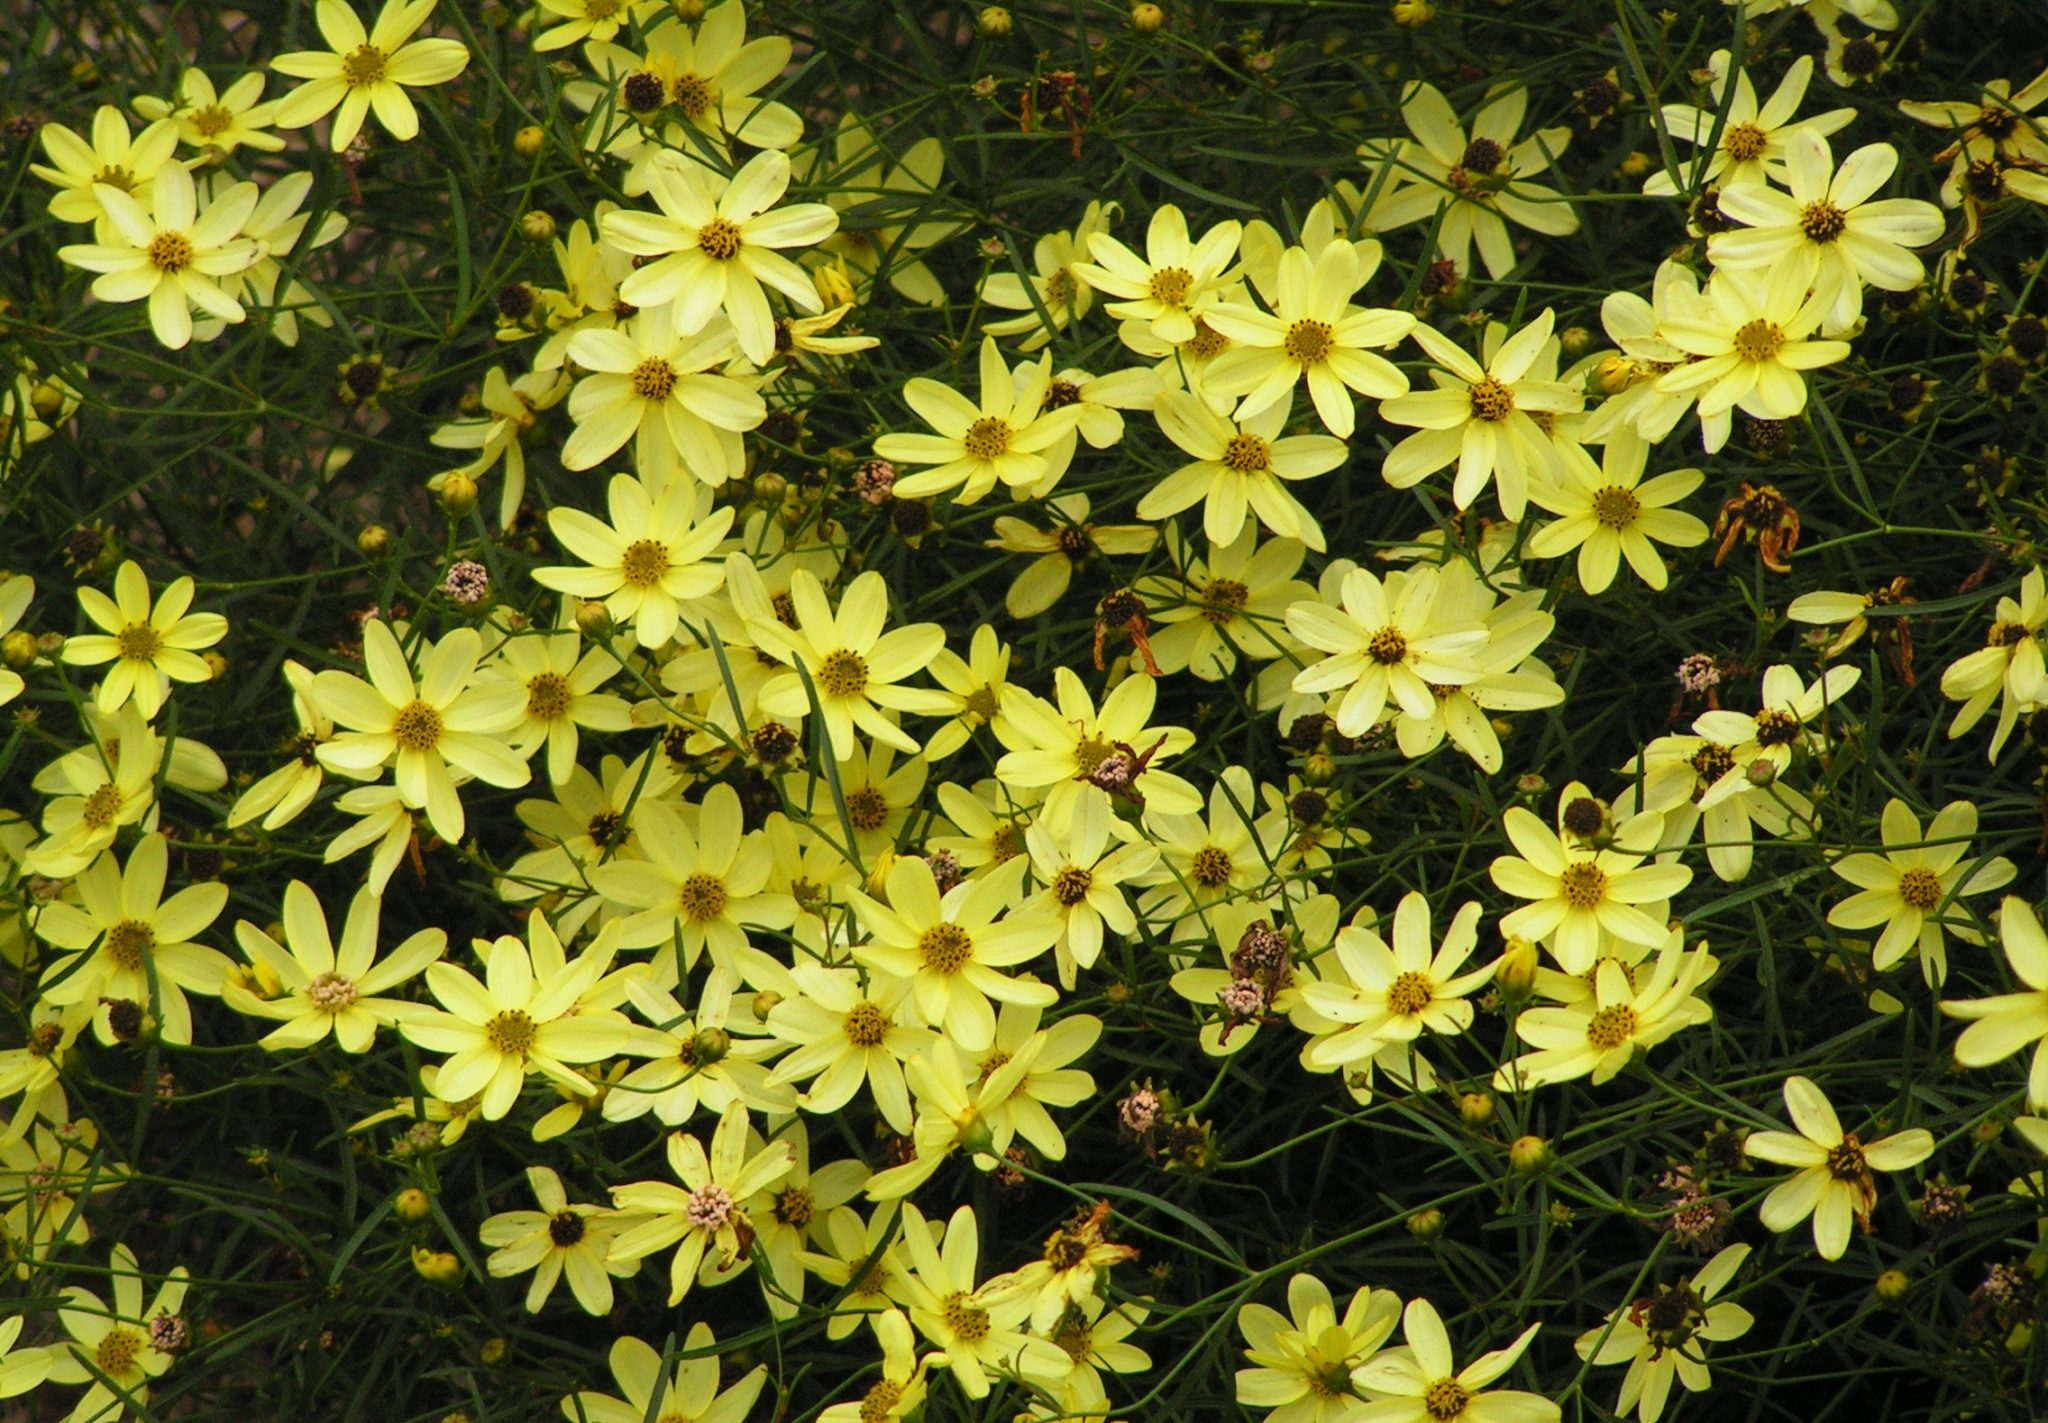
(493,1352)
(1413,14)
(1612,376)
(1319,768)
(216,665)
(1891,1286)
(770,487)
(374,541)
(49,644)
(537,226)
(2020,1340)
(46,400)
(688,10)
(412,1206)
(593,619)
(1515,970)
(1575,341)
(976,1139)
(1476,1109)
(437,1267)
(765,1003)
(1637,165)
(835,286)
(711,1044)
(1529,1156)
(18,649)
(1147,19)
(1762,772)
(1426,1224)
(458,494)
(993,22)
(529,141)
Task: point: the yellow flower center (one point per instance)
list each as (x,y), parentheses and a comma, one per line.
(1070,885)
(1211,867)
(139,642)
(101,807)
(115,176)
(867,808)
(1308,342)
(842,674)
(1170,285)
(1410,993)
(981,702)
(129,942)
(1247,454)
(363,65)
(701,897)
(945,948)
(1616,507)
(1759,340)
(1744,142)
(601,9)
(1444,1400)
(330,992)
(1223,600)
(879,1403)
(865,1025)
(645,563)
(170,251)
(1387,647)
(1583,885)
(986,439)
(967,1322)
(211,120)
(694,95)
(1611,1027)
(653,379)
(511,1032)
(417,727)
(1206,342)
(1823,221)
(118,1352)
(547,697)
(720,240)
(1920,887)
(1491,400)
(794,1207)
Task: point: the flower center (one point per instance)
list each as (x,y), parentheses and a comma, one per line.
(566,1228)
(1616,507)
(1070,885)
(211,120)
(1076,542)
(1410,993)
(1387,647)
(653,379)
(1206,342)
(117,1352)
(945,948)
(170,251)
(1845,1162)
(128,942)
(981,702)
(1060,290)
(842,674)
(330,992)
(1776,728)
(363,65)
(1920,887)
(417,727)
(1759,340)
(710,1207)
(967,1322)
(701,897)
(1223,600)
(794,1207)
(547,697)
(1308,342)
(878,1405)
(986,439)
(1247,454)
(694,95)
(1583,885)
(1611,1027)
(1170,285)
(1822,221)
(1711,762)
(1211,867)
(511,1033)
(867,808)
(101,807)
(139,642)
(642,92)
(1994,122)
(1444,1400)
(1482,155)
(865,1025)
(1059,395)
(1491,400)
(1745,142)
(601,9)
(720,239)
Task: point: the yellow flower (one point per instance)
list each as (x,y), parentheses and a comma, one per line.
(1175,282)
(118,1352)
(220,121)
(1911,887)
(1241,466)
(1422,1384)
(900,1390)
(651,382)
(1626,1013)
(1083,879)
(652,563)
(1752,333)
(974,1324)
(511,412)
(112,783)
(1385,643)
(701,1059)
(1071,750)
(360,72)
(709,75)
(885,238)
(1397,992)
(1580,893)
(279,230)
(1834,1183)
(1479,415)
(1659,1336)
(561,691)
(598,20)
(323,989)
(44,1171)
(2003,1024)
(2008,670)
(1055,287)
(707,1209)
(973,687)
(1001,440)
(22,1369)
(150,647)
(114,159)
(1609,513)
(1302,1360)
(1071,543)
(1753,138)
(556,1240)
(424,727)
(842,1035)
(1233,601)
(689,1392)
(171,254)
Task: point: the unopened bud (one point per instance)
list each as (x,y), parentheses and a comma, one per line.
(216,665)
(374,541)
(770,487)
(1515,970)
(537,226)
(437,1267)
(593,619)
(1426,1224)
(412,1205)
(458,494)
(1147,19)
(1413,14)
(18,649)
(834,285)
(1762,772)
(1575,341)
(1476,1108)
(1529,1156)
(1319,768)
(529,141)
(764,1003)
(993,22)
(711,1044)
(1891,1286)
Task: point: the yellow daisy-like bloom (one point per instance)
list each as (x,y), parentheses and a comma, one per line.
(708,75)
(688,1393)
(1173,283)
(1072,750)
(886,238)
(1994,128)
(1312,332)
(1241,467)
(1484,179)
(279,230)
(2003,1024)
(363,72)
(511,411)
(1834,1183)
(323,989)
(516,1022)
(900,1391)
(150,647)
(714,247)
(2009,670)
(562,695)
(1753,136)
(44,1173)
(843,1035)
(1608,512)
(708,1208)
(650,383)
(17,591)
(1383,648)
(652,564)
(1072,542)
(1579,893)
(853,668)
(1753,335)
(975,447)
(1234,601)
(1423,1384)
(1791,718)
(1479,415)
(951,947)
(1659,1337)
(114,159)
(973,688)
(572,21)
(1397,992)
(1083,879)
(556,1240)
(1627,1012)
(171,254)
(109,786)
(1302,1360)
(123,1348)
(217,121)
(124,941)
(1055,286)
(1908,888)
(448,717)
